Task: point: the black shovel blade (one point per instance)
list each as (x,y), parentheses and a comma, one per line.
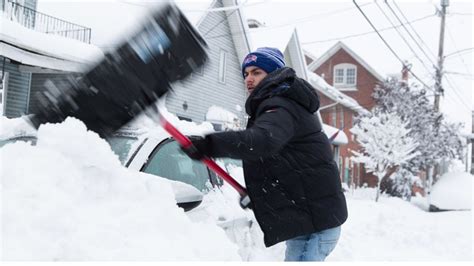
(129,79)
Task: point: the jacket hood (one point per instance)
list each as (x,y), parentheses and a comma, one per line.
(283,82)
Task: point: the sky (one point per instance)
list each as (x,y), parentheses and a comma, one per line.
(320,24)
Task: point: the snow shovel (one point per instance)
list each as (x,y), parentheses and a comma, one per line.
(185,142)
(164,49)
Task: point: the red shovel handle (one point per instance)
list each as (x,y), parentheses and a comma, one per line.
(185,142)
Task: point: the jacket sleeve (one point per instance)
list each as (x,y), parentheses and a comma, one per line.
(274,126)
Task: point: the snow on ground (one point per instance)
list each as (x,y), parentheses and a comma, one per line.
(396,230)
(68,198)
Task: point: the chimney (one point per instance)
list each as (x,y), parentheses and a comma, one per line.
(405,71)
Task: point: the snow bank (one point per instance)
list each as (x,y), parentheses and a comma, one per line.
(395,230)
(453,191)
(15,127)
(68,198)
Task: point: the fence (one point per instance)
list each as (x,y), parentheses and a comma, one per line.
(41,22)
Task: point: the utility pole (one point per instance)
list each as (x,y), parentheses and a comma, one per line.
(439,70)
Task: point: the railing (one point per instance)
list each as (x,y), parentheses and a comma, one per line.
(38,21)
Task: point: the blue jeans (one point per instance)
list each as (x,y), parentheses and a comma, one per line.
(313,247)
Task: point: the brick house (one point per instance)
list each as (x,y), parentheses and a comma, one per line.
(351,75)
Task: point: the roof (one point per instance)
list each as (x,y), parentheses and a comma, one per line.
(31,47)
(334,49)
(334,94)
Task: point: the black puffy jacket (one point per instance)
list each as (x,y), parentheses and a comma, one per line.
(291,177)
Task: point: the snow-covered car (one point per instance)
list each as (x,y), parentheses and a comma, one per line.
(159,156)
(453,192)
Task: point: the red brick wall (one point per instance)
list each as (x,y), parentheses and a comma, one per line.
(366,83)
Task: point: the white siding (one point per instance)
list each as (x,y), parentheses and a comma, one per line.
(17,93)
(203,91)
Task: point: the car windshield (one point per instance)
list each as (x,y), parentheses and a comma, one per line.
(123,146)
(170,162)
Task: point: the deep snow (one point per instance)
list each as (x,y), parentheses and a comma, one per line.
(68,198)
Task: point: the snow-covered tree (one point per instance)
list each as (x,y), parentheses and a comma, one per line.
(437,139)
(385,143)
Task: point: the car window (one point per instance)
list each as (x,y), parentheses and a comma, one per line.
(123,146)
(170,162)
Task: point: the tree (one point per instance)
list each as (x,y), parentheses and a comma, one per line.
(437,138)
(385,143)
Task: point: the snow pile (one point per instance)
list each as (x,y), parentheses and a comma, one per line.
(222,116)
(68,198)
(15,127)
(453,191)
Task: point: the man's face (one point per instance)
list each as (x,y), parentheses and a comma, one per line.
(252,76)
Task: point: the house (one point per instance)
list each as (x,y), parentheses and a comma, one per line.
(343,69)
(35,47)
(219,83)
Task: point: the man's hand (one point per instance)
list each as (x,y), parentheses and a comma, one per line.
(199,148)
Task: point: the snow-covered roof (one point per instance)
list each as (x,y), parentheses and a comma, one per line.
(334,94)
(333,50)
(31,47)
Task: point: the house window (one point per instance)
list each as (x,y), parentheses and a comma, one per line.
(339,76)
(345,76)
(222,66)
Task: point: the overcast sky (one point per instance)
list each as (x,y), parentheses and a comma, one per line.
(320,24)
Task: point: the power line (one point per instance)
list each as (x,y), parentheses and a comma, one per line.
(413,29)
(461,14)
(315,16)
(364,33)
(403,38)
(411,36)
(293,22)
(459,97)
(459,73)
(455,47)
(459,51)
(386,43)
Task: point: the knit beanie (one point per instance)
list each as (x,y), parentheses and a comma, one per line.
(266,58)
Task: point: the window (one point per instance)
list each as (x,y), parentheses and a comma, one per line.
(339,76)
(170,162)
(222,66)
(345,76)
